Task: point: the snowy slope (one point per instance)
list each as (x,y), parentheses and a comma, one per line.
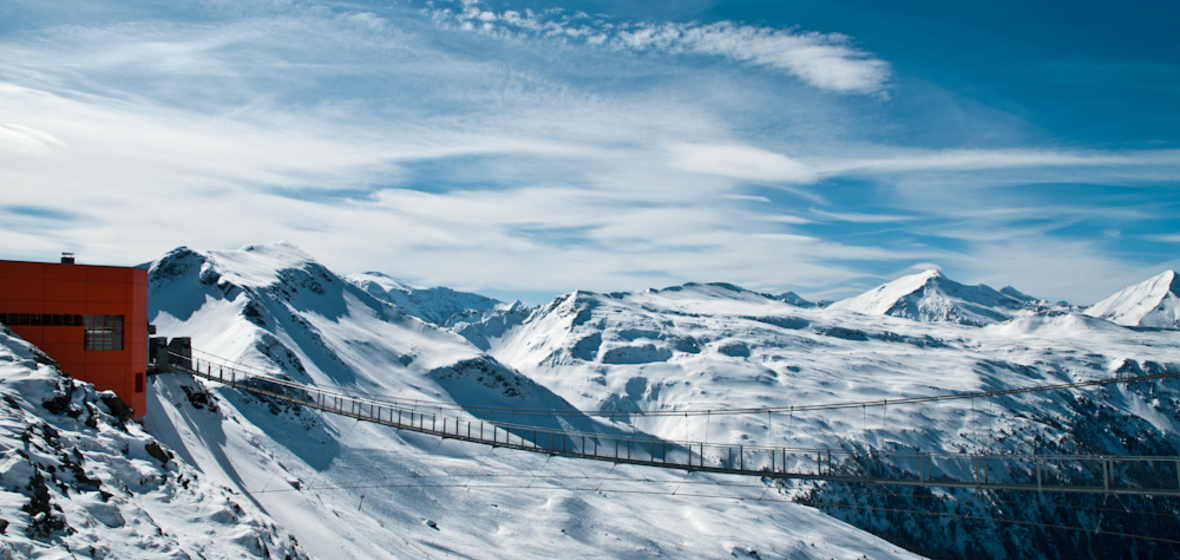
(356,490)
(434,305)
(702,347)
(1154,303)
(274,308)
(930,296)
(78,479)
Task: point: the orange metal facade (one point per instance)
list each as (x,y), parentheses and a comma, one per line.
(73,291)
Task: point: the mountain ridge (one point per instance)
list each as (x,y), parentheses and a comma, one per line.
(1153,303)
(712,346)
(932,297)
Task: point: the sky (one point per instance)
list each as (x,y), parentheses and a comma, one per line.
(526,148)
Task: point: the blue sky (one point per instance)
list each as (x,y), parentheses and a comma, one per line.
(528,148)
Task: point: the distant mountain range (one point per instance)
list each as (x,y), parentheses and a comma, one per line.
(932,297)
(355,490)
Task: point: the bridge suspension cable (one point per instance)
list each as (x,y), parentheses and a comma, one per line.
(1104,474)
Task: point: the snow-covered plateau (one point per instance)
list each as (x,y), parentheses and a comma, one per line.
(305,482)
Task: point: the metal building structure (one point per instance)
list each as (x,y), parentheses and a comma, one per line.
(91,320)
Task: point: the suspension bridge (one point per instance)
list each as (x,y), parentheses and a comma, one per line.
(1094,474)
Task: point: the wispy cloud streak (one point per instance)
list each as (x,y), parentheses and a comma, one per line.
(828,61)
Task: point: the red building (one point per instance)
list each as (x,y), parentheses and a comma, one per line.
(92,320)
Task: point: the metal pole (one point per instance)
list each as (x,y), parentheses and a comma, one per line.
(1037,461)
(1106,474)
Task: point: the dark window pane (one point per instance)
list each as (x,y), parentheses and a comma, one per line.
(57,320)
(78,320)
(35,319)
(24,319)
(104,332)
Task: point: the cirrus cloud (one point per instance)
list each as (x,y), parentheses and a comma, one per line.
(827,61)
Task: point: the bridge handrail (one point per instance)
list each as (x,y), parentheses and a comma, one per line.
(418,406)
(1020,471)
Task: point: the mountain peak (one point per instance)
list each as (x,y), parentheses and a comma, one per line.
(1153,303)
(931,296)
(433,305)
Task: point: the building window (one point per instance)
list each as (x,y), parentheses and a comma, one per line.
(40,319)
(104,332)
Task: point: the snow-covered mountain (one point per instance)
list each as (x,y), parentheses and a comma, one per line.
(356,490)
(697,347)
(930,296)
(434,305)
(349,489)
(274,307)
(79,479)
(795,299)
(1154,303)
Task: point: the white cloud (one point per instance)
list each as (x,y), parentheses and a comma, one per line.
(746,197)
(969,160)
(824,60)
(144,178)
(458,159)
(741,162)
(786,219)
(853,217)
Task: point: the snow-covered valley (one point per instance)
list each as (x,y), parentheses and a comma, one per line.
(343,488)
